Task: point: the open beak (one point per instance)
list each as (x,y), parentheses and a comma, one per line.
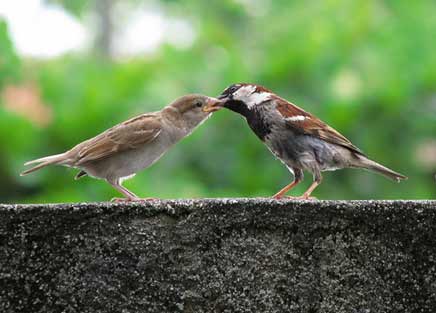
(214,104)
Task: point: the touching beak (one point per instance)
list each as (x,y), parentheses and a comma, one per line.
(214,104)
(223,97)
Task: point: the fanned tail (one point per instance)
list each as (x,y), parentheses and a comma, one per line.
(43,162)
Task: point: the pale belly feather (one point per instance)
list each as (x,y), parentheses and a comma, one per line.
(130,162)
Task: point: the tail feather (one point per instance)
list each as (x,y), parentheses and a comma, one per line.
(43,162)
(374,166)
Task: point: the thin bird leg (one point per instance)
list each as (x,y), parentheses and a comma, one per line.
(285,189)
(298,177)
(316,182)
(130,196)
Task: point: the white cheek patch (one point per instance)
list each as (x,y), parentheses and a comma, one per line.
(257,98)
(248,95)
(297,118)
(244,92)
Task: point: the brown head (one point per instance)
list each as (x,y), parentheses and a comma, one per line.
(191,108)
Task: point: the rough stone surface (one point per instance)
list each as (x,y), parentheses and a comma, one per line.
(223,255)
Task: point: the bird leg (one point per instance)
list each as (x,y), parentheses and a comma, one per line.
(316,182)
(130,196)
(298,177)
(285,189)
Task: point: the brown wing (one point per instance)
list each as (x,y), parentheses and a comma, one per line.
(305,122)
(125,136)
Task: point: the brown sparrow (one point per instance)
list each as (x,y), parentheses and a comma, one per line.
(125,149)
(297,138)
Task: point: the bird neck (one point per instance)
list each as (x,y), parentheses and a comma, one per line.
(254,116)
(180,124)
(239,107)
(172,114)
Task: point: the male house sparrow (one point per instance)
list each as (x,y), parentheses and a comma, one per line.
(297,138)
(125,149)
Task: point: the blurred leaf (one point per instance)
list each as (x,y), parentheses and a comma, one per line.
(9,62)
(368,68)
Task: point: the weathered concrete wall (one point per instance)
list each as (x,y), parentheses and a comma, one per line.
(235,255)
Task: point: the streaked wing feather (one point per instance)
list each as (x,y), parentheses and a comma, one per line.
(313,126)
(125,136)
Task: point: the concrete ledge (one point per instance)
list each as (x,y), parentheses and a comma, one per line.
(224,255)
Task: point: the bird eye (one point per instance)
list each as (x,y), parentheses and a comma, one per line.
(198,104)
(233,89)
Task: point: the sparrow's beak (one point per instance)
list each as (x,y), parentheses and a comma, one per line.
(213,105)
(223,97)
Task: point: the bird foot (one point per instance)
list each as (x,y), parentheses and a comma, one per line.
(118,200)
(303,197)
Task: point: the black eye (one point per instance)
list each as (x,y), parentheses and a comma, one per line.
(233,89)
(198,104)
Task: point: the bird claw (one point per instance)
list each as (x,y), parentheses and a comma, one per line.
(303,197)
(119,200)
(149,199)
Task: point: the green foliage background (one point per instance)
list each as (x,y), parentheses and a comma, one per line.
(306,51)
